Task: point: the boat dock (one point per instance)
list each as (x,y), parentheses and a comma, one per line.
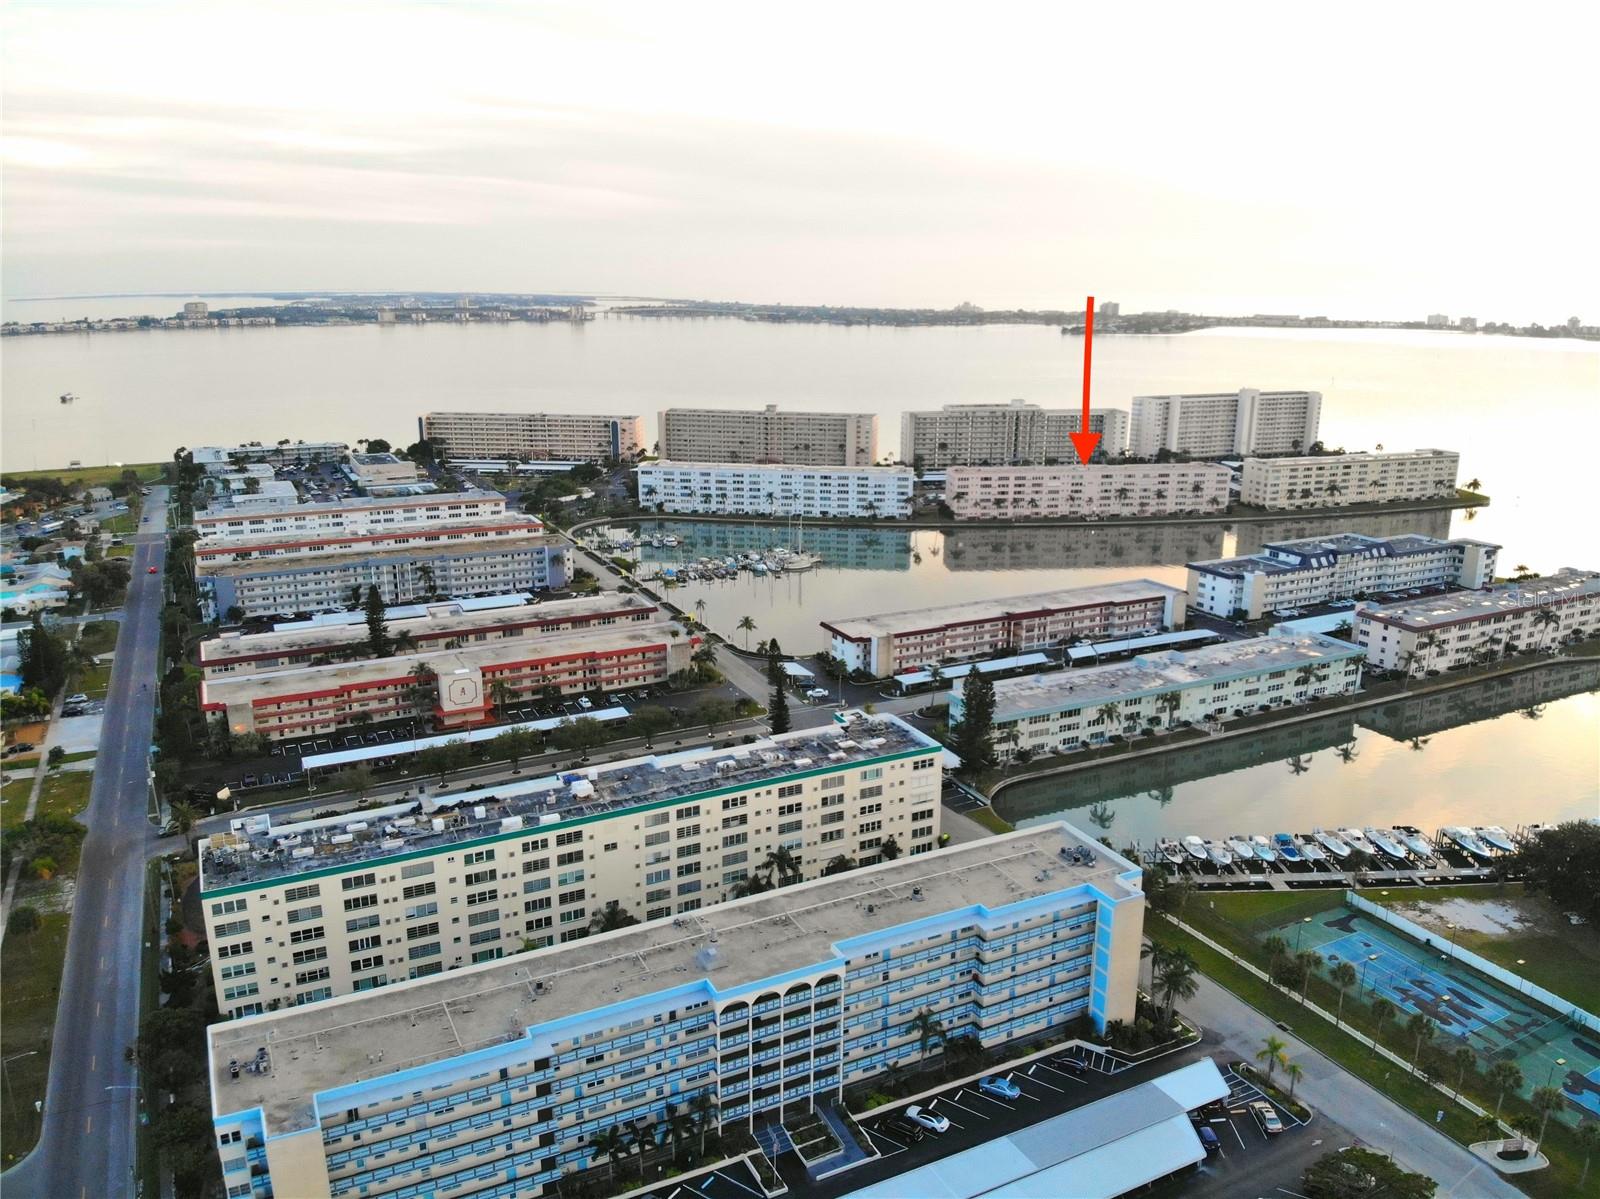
(1374,857)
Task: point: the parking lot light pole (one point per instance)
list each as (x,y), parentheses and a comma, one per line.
(1560,1061)
(1362,986)
(6,1074)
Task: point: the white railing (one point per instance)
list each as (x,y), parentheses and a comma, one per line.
(1482,965)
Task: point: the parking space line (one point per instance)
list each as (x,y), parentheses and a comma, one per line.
(1236,1133)
(1043,1083)
(962,1106)
(1012,1079)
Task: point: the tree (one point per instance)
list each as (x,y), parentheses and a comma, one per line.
(611,917)
(1562,862)
(1344,977)
(974,732)
(1293,1071)
(783,863)
(443,760)
(1276,949)
(1175,978)
(778,705)
(1588,1141)
(1357,1173)
(712,712)
(356,779)
(839,865)
(700,606)
(183,815)
(24,921)
(185,1136)
(704,1109)
(1546,1100)
(1423,1029)
(43,657)
(1272,1053)
(609,1143)
(1169,702)
(1306,963)
(514,745)
(753,883)
(1382,1012)
(929,1028)
(580,735)
(1503,1076)
(747,625)
(501,694)
(1464,1058)
(649,721)
(377,628)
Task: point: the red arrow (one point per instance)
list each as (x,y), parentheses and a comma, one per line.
(1086,441)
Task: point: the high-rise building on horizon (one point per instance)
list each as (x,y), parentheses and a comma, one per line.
(1014,433)
(1222,425)
(768,435)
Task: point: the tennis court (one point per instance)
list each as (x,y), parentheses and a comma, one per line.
(1494,1021)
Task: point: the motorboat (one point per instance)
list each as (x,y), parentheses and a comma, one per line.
(1195,848)
(1386,841)
(759,568)
(1170,851)
(1357,841)
(1416,842)
(1263,848)
(1242,848)
(1466,839)
(669,541)
(1312,852)
(1218,853)
(1332,842)
(1287,849)
(1496,837)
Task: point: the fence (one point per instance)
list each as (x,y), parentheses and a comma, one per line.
(1481,964)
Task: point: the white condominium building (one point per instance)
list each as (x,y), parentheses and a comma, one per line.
(449,624)
(383,470)
(1432,635)
(300,912)
(1226,424)
(279,575)
(1135,489)
(446,689)
(893,642)
(537,436)
(1315,570)
(1334,480)
(767,435)
(223,457)
(352,516)
(1066,710)
(498,1079)
(757,490)
(1004,434)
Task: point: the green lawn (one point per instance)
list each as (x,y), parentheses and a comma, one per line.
(65,793)
(99,636)
(31,969)
(1557,957)
(91,476)
(95,681)
(15,796)
(990,819)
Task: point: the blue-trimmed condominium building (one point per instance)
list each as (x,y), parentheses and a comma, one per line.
(302,912)
(494,1081)
(1070,709)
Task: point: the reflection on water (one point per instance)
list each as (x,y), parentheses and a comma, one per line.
(1507,751)
(867,570)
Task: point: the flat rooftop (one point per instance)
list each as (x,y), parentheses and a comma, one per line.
(1473,605)
(1349,459)
(377,459)
(334,1043)
(889,624)
(434,549)
(665,464)
(249,541)
(1335,546)
(441,620)
(1089,685)
(259,854)
(356,504)
(275,685)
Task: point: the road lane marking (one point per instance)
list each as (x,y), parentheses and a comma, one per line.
(88,1123)
(93,1058)
(97,1008)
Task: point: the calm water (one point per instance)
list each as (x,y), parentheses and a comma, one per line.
(1509,752)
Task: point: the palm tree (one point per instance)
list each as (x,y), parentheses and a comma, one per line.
(1543,618)
(1347,752)
(1292,1071)
(1169,702)
(1177,980)
(1463,1057)
(1276,949)
(500,694)
(889,850)
(1474,484)
(747,625)
(753,883)
(1299,764)
(609,1143)
(1503,1076)
(1334,489)
(840,864)
(1307,961)
(1344,977)
(1418,744)
(1109,713)
(611,917)
(426,577)
(1382,1011)
(700,610)
(404,642)
(1272,1053)
(1546,1100)
(1588,1141)
(782,863)
(1423,1029)
(929,1028)
(703,1107)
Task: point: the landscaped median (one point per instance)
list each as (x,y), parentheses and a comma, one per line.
(1377,1052)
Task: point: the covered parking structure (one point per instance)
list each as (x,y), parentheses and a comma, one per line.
(1099,1151)
(913,679)
(1134,645)
(335,759)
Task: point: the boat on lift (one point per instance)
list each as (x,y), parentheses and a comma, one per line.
(1496,837)
(1242,848)
(669,541)
(1312,852)
(1195,848)
(1286,847)
(1263,848)
(1332,842)
(1170,851)
(1416,842)
(1387,841)
(1466,839)
(1218,853)
(1357,841)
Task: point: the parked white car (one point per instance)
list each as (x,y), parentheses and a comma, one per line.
(932,1121)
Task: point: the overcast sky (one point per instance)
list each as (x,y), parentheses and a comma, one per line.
(1387,160)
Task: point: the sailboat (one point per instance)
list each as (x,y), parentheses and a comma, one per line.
(800,560)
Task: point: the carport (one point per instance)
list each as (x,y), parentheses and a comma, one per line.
(1098,1151)
(335,759)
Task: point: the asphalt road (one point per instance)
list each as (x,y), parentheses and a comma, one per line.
(86,1150)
